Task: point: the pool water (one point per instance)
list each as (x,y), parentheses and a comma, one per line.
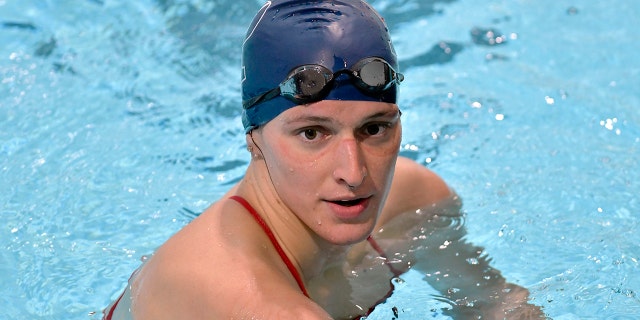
(119,122)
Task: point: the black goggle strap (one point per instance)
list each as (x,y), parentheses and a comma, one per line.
(309,82)
(246,104)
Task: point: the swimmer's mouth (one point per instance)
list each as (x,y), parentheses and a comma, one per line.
(349,203)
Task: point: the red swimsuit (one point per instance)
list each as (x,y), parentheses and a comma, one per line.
(267,230)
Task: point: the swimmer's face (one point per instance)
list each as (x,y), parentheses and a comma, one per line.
(332,162)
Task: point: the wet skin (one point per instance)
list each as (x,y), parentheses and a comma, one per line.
(331,163)
(323,177)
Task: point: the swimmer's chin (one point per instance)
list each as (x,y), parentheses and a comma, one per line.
(351,241)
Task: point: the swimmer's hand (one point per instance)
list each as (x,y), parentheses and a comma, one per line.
(514,304)
(510,302)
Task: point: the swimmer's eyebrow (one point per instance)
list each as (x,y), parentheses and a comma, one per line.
(382,114)
(320,119)
(305,118)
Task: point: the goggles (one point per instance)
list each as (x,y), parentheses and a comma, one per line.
(311,83)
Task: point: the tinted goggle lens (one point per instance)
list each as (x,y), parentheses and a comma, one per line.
(375,74)
(306,83)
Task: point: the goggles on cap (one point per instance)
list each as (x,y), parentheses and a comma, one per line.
(311,83)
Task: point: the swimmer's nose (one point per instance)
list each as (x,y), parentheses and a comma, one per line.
(350,169)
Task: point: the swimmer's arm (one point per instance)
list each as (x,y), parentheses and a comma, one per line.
(459,270)
(462,273)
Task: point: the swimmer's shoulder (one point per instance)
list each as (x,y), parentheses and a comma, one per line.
(184,275)
(217,267)
(414,186)
(417,195)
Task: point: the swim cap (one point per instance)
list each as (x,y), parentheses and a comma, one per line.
(286,34)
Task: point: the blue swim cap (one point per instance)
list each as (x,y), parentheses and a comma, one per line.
(333,33)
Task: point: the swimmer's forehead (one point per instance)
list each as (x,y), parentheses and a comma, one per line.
(331,111)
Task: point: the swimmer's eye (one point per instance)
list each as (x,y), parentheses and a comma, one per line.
(310,134)
(375,129)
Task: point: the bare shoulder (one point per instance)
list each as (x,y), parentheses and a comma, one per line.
(414,186)
(217,267)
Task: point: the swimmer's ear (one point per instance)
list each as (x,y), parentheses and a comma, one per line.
(255,151)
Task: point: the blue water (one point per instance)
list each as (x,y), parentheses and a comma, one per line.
(119,122)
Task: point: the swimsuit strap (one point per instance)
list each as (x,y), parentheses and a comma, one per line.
(267,230)
(382,254)
(108,315)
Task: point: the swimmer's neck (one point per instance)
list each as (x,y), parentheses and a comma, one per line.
(310,253)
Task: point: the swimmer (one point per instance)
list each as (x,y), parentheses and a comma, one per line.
(327,212)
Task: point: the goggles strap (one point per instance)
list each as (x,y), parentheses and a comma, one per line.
(309,83)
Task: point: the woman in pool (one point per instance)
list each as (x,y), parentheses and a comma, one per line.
(326,202)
